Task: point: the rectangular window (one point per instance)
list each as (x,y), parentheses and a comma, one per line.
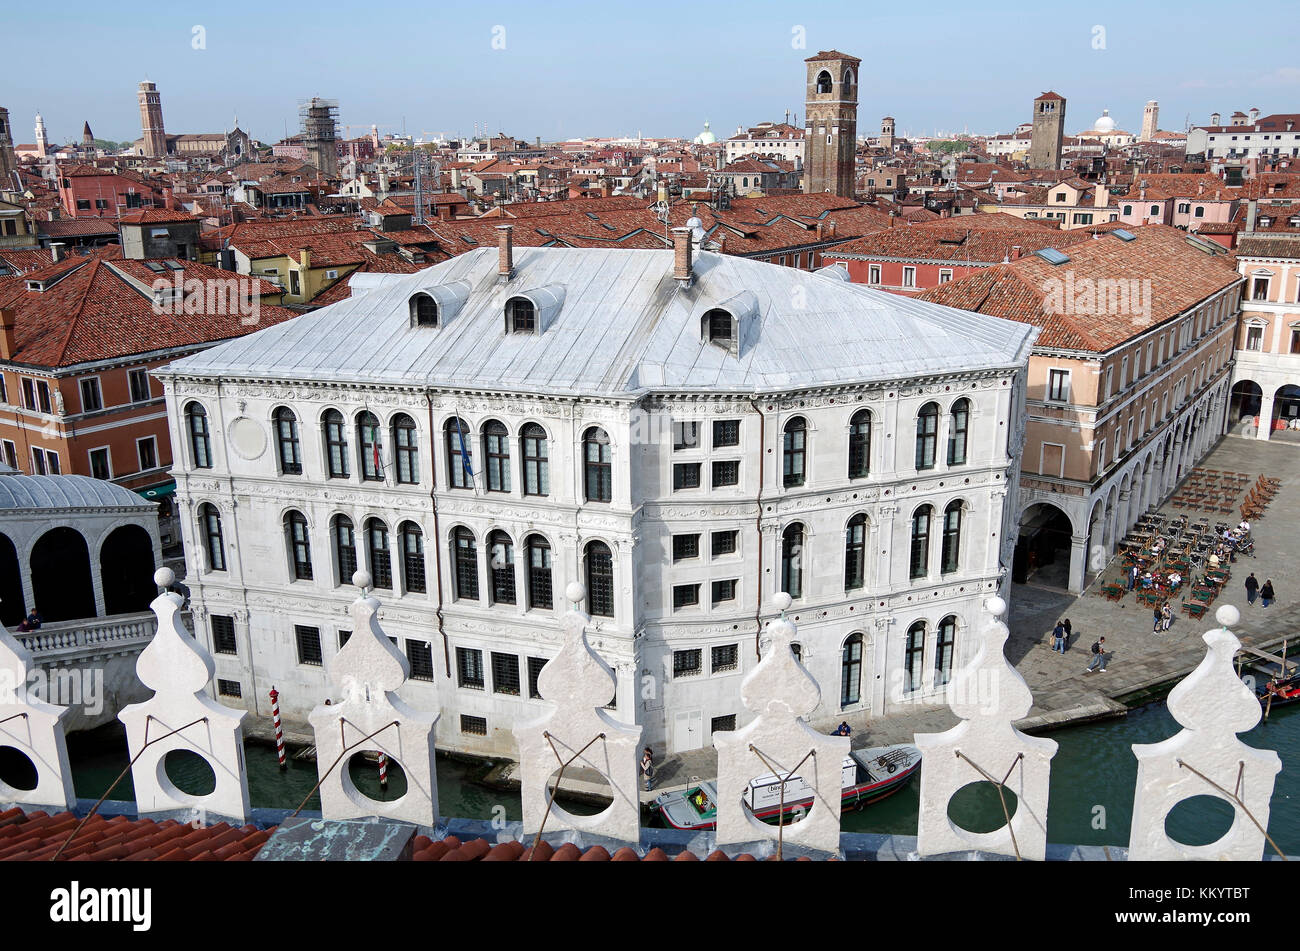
(147,450)
(223,634)
(685,596)
(99,464)
(1295,339)
(4,392)
(945,275)
(421,657)
(726,657)
(139,381)
(475,726)
(505,674)
(687,663)
(229,688)
(686,436)
(686,475)
(11,453)
(43,396)
(726,473)
(29,393)
(1259,289)
(873,274)
(308,639)
(535,665)
(724,591)
(1110,382)
(909,277)
(91,399)
(686,546)
(38,461)
(1254,338)
(469,668)
(724,543)
(726,432)
(725,724)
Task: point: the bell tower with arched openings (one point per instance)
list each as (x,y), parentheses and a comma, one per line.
(831,131)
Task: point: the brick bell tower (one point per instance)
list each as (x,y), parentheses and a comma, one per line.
(831,132)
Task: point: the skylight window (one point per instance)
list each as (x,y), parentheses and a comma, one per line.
(1124,235)
(1053,256)
(154,266)
(467,239)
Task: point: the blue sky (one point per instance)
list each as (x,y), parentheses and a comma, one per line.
(611,69)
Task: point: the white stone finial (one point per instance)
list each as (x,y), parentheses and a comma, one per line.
(575,592)
(782,601)
(178,669)
(989,695)
(361,578)
(1212,705)
(369,670)
(1228,616)
(164,577)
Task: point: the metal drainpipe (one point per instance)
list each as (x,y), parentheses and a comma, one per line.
(758,524)
(437,530)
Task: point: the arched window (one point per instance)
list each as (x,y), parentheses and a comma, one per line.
(851,671)
(336,445)
(824,82)
(927,435)
(600,579)
(381,562)
(958,426)
(411,538)
(460,455)
(286,437)
(200,443)
(521,316)
(372,463)
(920,560)
(1128,209)
(213,545)
(406,449)
(537,474)
(951,537)
(792,560)
(345,549)
(539,572)
(465,559)
(943,650)
(295,526)
(914,657)
(720,327)
(1155,209)
(501,567)
(860,444)
(794,452)
(855,552)
(496,456)
(424,311)
(598,470)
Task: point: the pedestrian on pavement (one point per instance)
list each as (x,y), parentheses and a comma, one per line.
(1098,656)
(1155,621)
(1058,634)
(1166,616)
(647,766)
(1252,588)
(1065,641)
(843,729)
(1266,593)
(1132,576)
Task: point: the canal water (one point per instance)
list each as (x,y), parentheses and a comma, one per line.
(1094,775)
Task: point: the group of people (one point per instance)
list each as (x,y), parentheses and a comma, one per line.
(1163,617)
(1061,641)
(30,623)
(1264,592)
(1061,635)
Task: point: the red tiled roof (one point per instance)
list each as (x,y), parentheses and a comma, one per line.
(154,216)
(452,849)
(70,227)
(36,836)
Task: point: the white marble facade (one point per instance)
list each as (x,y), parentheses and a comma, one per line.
(257,591)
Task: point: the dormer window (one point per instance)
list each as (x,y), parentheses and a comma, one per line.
(424,311)
(521,316)
(720,328)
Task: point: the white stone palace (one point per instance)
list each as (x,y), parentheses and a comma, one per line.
(683,432)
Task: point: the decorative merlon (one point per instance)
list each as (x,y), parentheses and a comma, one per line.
(35,729)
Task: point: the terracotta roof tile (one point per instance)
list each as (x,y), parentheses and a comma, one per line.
(38,836)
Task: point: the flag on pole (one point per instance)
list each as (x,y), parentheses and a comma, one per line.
(379,461)
(464,452)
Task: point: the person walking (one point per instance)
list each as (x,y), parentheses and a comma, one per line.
(647,766)
(1155,621)
(1132,576)
(1058,635)
(1166,616)
(1266,593)
(1065,641)
(1098,656)
(1252,588)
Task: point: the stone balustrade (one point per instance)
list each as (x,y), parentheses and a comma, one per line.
(64,641)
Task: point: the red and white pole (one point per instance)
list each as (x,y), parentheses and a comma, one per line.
(279,730)
(383,770)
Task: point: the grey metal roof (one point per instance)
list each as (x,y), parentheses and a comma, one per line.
(623,326)
(65,492)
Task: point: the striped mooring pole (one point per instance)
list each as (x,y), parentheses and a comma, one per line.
(279,730)
(383,770)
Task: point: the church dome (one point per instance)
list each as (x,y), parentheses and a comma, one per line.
(1105,123)
(706,137)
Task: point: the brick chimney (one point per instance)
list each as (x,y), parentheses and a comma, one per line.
(56,252)
(304,259)
(682,271)
(505,253)
(1252,208)
(1015,252)
(8,341)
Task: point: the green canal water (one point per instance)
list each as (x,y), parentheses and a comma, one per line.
(1093,777)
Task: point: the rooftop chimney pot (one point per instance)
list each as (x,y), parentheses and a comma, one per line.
(682,270)
(505,252)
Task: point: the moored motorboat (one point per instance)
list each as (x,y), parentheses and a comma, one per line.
(867,776)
